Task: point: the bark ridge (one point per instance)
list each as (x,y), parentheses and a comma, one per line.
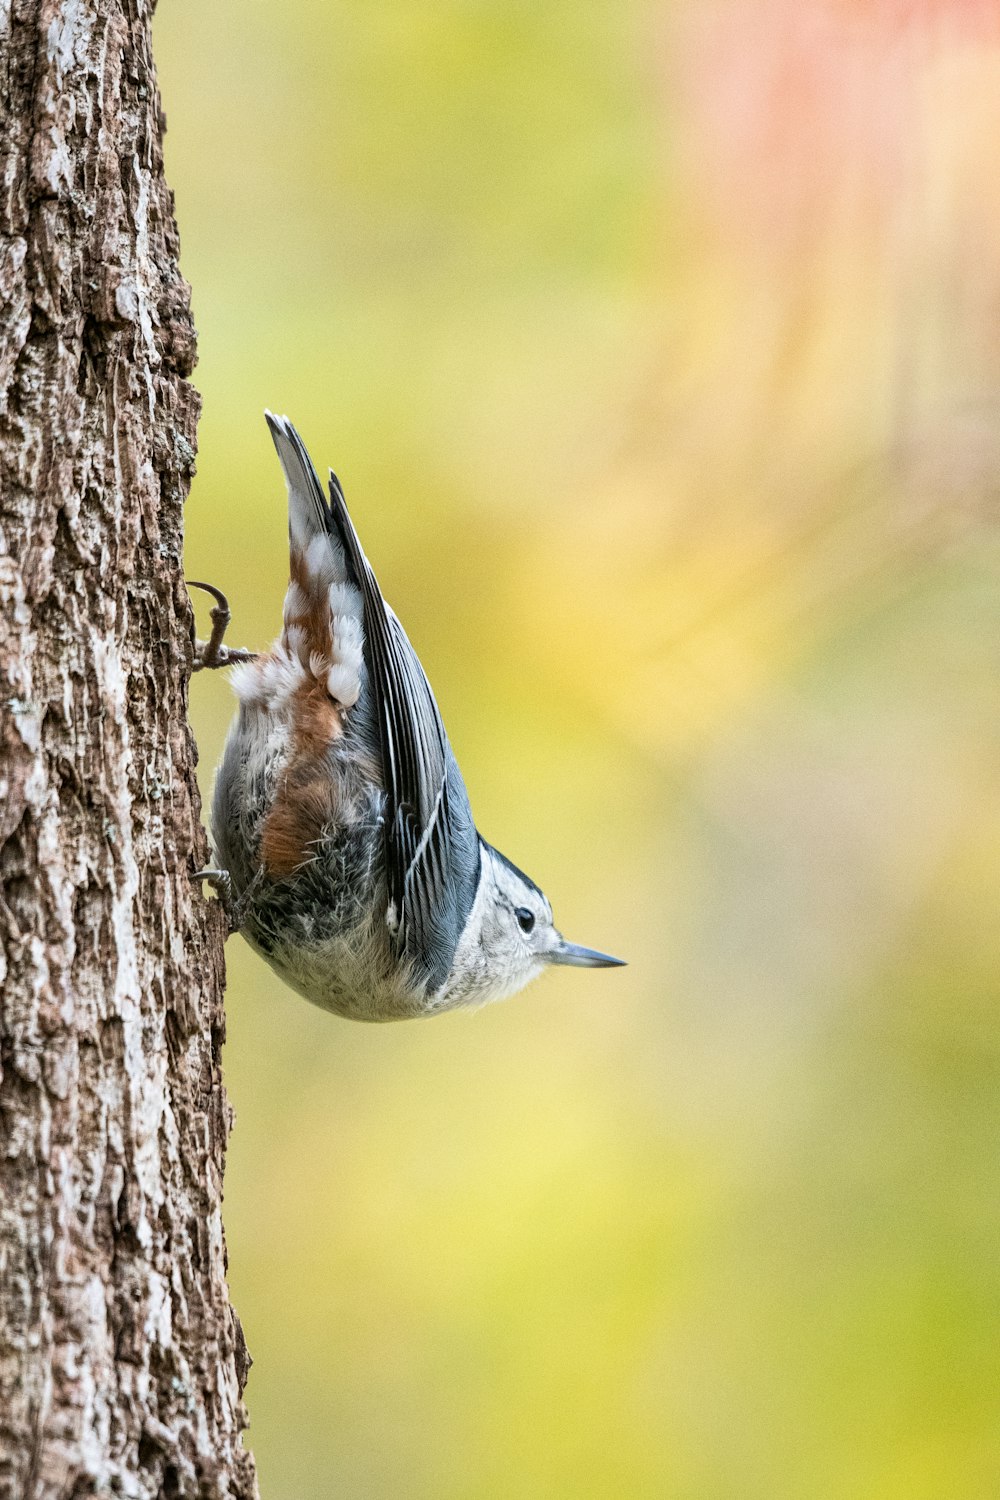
(121,1361)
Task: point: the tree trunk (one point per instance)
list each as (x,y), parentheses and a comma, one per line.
(121,1361)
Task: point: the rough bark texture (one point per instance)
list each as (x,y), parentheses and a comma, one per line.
(121,1361)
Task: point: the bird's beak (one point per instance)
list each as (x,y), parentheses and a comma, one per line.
(582,958)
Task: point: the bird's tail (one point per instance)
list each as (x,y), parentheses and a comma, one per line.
(324,616)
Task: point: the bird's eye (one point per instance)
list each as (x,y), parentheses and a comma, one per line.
(525,918)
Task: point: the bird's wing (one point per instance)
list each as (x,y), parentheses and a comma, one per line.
(431,843)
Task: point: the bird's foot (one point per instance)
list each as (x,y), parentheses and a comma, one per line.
(235,906)
(222,884)
(219,880)
(213,653)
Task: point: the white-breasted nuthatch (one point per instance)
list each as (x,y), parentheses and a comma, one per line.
(340,819)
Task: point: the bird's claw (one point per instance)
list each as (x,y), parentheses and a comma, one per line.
(222,884)
(213,653)
(234,906)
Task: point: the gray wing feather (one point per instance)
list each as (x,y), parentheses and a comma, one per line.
(431,843)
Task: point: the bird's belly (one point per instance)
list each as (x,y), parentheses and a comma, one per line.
(339,975)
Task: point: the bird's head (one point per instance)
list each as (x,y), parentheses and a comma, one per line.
(517,937)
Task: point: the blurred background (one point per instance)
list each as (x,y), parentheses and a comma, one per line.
(658,348)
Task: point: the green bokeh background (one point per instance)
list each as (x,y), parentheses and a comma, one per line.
(656,347)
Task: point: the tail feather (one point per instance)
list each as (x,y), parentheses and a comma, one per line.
(324,615)
(308,512)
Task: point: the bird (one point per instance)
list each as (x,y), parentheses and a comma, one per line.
(344,840)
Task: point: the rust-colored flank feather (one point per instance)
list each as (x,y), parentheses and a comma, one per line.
(306,804)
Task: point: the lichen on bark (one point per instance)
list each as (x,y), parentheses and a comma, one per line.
(121,1361)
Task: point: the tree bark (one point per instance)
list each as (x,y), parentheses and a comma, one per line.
(121,1360)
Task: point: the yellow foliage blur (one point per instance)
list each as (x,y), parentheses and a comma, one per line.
(658,349)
